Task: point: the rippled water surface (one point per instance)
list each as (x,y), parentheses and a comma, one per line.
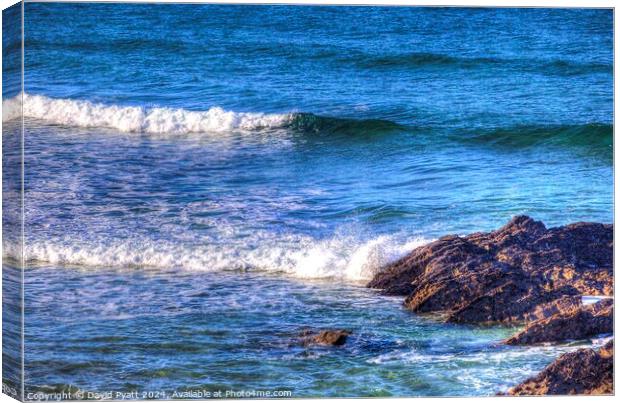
(199,193)
(181,331)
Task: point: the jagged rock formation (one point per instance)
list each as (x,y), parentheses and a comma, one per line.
(572,324)
(584,371)
(506,275)
(521,273)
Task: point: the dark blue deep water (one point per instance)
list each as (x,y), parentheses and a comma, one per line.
(204,181)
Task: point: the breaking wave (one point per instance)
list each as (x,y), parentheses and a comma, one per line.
(342,258)
(161,120)
(138,119)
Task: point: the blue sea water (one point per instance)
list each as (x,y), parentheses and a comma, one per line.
(203,182)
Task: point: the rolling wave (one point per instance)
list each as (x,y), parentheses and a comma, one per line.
(159,120)
(593,135)
(176,121)
(310,123)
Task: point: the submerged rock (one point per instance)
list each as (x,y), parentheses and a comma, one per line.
(332,337)
(584,371)
(571,324)
(510,275)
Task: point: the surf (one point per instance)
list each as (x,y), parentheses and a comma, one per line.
(136,119)
(176,121)
(344,258)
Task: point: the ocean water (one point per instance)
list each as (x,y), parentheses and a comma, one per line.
(203,182)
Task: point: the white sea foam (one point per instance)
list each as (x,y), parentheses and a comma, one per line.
(593,299)
(12,108)
(341,258)
(137,119)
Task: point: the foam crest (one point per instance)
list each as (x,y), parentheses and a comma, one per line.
(12,108)
(341,258)
(138,119)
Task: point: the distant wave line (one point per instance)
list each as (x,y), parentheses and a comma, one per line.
(415,60)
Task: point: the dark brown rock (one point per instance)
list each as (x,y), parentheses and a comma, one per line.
(584,371)
(506,275)
(575,323)
(335,337)
(565,303)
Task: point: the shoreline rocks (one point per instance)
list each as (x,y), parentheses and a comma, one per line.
(503,276)
(522,273)
(573,324)
(585,371)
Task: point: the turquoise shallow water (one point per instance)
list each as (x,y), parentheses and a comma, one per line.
(198,194)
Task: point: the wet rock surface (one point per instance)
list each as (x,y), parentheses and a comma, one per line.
(504,276)
(521,273)
(574,323)
(331,337)
(565,303)
(585,371)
